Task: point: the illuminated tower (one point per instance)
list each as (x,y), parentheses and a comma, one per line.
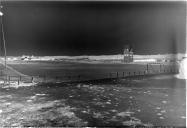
(128,54)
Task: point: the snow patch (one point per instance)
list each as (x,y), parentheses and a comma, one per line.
(16,85)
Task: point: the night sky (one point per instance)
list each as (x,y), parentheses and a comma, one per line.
(93,28)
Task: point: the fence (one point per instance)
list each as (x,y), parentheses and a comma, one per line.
(142,73)
(9,79)
(149,70)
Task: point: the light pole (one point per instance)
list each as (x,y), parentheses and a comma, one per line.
(3,35)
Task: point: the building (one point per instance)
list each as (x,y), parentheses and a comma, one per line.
(128,55)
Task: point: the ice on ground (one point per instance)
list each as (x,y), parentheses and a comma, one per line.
(131,97)
(5,96)
(95,99)
(159,114)
(158,108)
(163,111)
(161,118)
(183,117)
(65,111)
(1,111)
(40,94)
(99,103)
(33,97)
(113,118)
(97,115)
(164,102)
(124,114)
(108,102)
(2,82)
(29,100)
(84,112)
(16,85)
(113,110)
(7,104)
(79,85)
(86,86)
(132,123)
(42,113)
(138,110)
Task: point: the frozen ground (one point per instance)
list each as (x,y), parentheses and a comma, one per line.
(158,100)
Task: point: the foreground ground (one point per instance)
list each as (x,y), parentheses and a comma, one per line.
(157,100)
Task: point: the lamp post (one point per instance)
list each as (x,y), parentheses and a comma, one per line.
(3,35)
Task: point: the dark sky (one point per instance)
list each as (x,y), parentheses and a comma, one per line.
(93,28)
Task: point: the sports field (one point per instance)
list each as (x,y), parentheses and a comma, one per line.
(85,71)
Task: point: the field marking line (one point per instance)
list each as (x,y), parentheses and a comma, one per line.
(10,68)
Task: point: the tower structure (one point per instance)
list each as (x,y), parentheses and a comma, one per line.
(128,54)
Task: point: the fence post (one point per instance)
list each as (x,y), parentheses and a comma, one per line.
(56,78)
(31,79)
(129,73)
(117,74)
(79,77)
(134,73)
(123,74)
(147,67)
(44,78)
(18,82)
(139,72)
(9,79)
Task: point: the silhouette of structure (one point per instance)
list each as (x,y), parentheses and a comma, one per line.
(128,54)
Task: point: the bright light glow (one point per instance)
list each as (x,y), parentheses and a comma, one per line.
(145,60)
(183,69)
(1,14)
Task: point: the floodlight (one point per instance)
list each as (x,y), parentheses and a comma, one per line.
(1,14)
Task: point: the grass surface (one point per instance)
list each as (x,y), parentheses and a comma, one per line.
(83,71)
